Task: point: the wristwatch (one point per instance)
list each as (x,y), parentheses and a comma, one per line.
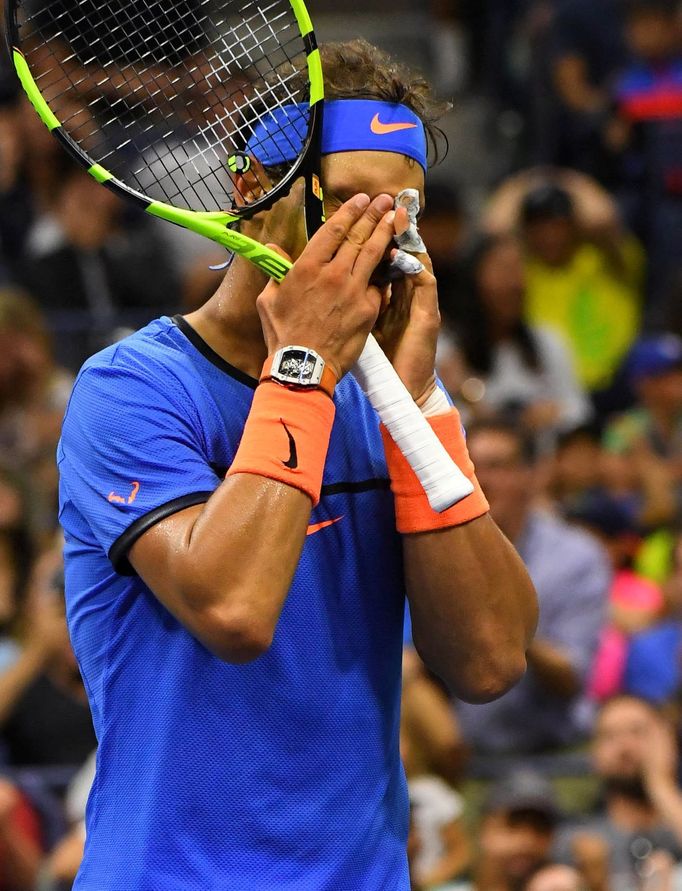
(300,368)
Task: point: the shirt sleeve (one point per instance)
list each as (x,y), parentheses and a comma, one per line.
(132,453)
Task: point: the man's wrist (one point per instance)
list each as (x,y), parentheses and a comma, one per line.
(300,368)
(435,404)
(413,512)
(286,437)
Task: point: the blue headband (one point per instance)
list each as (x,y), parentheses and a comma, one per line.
(350,125)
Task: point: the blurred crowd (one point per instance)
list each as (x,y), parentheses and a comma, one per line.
(561,297)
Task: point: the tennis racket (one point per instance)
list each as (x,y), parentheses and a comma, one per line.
(158,99)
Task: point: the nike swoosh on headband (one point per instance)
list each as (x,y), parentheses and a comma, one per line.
(381,129)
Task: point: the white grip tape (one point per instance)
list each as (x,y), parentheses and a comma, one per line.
(443,482)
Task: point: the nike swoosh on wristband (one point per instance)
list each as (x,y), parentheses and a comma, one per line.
(318,527)
(292,462)
(381,129)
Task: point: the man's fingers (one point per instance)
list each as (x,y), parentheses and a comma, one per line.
(363,229)
(402,221)
(328,239)
(374,249)
(278,250)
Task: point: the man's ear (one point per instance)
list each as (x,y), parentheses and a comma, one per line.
(250,184)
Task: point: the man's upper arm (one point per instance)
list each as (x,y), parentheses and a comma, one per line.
(132,453)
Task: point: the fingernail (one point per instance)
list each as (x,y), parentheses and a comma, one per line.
(383,202)
(390,217)
(361,201)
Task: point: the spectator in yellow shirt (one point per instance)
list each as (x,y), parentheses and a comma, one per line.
(586,290)
(585,273)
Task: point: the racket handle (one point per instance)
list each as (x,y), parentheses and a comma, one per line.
(443,482)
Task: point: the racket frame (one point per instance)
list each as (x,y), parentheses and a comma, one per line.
(215,225)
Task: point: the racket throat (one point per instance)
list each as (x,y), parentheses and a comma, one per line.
(314,204)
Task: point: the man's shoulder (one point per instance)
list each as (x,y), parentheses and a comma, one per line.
(155,356)
(154,345)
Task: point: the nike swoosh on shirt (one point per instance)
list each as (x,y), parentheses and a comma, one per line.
(318,527)
(381,129)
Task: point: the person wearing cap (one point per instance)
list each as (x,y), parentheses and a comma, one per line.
(654,368)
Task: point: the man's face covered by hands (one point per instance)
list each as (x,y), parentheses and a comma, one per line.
(344,174)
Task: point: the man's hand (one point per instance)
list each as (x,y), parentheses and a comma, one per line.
(408,330)
(326,301)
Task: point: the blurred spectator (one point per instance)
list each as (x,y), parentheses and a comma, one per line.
(61,867)
(577,287)
(654,663)
(635,603)
(523,372)
(32,166)
(635,756)
(572,577)
(584,274)
(580,471)
(435,742)
(574,471)
(91,274)
(517,831)
(647,134)
(20,840)
(33,389)
(33,394)
(44,714)
(430,748)
(588,48)
(654,426)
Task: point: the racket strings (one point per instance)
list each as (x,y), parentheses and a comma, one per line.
(162,94)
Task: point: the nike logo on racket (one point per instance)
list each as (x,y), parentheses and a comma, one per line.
(292,462)
(381,129)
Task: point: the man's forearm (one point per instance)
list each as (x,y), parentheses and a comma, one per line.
(228,573)
(473,606)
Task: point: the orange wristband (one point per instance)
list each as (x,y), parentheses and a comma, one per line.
(286,437)
(412,509)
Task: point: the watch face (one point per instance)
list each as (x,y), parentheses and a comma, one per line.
(299,365)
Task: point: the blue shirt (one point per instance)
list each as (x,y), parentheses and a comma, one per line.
(572,577)
(280,774)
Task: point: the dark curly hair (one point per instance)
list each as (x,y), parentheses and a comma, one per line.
(355,69)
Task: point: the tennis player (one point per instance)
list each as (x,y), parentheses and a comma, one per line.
(238,548)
